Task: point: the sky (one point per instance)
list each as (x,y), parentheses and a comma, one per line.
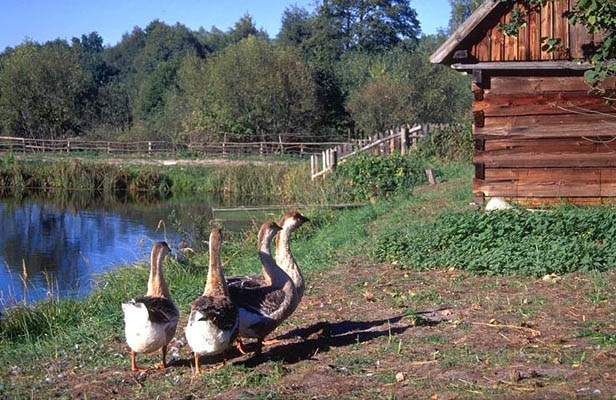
(43,20)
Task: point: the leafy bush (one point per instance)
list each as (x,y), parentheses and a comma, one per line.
(375,176)
(453,142)
(508,242)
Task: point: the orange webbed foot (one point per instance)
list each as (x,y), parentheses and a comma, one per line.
(239,345)
(271,342)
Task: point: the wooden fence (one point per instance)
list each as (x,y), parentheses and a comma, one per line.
(399,141)
(150,148)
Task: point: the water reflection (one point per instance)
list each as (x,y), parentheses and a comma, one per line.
(49,248)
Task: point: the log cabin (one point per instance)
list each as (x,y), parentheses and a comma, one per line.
(540,135)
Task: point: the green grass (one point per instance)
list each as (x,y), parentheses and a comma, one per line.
(242,183)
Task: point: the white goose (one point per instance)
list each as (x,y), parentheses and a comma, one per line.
(213,323)
(150,321)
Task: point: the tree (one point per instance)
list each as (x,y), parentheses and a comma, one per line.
(460,11)
(42,91)
(369,25)
(156,67)
(244,28)
(296,26)
(386,90)
(252,87)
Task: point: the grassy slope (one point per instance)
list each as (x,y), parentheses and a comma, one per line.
(85,334)
(70,344)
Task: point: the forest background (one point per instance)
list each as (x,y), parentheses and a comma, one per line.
(350,67)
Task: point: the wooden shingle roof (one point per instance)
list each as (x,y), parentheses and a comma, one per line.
(479,43)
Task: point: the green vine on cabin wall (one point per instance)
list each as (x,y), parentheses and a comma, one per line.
(596,16)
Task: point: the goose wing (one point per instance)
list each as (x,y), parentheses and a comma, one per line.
(246,281)
(262,300)
(220,310)
(160,309)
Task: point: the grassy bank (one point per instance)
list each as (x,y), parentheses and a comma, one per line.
(85,334)
(359,179)
(76,348)
(18,178)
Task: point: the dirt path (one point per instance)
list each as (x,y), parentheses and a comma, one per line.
(371,331)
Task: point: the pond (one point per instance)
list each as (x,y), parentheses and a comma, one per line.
(55,248)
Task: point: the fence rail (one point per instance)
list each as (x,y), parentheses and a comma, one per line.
(400,140)
(150,148)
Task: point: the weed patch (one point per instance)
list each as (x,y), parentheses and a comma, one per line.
(371,177)
(509,242)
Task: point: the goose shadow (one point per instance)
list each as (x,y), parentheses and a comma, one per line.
(323,336)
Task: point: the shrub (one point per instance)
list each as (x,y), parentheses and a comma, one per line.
(452,142)
(376,176)
(508,242)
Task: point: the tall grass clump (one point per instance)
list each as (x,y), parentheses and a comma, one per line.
(19,177)
(281,181)
(45,320)
(509,242)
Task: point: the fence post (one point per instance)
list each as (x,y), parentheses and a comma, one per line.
(301,149)
(324,160)
(334,159)
(430,176)
(425,131)
(403,137)
(312,166)
(68,146)
(109,147)
(150,149)
(224,142)
(23,145)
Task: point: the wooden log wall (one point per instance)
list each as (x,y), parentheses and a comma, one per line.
(543,137)
(491,44)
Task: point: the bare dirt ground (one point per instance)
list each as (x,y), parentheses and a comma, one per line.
(372,331)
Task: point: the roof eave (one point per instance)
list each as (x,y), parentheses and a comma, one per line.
(524,65)
(449,46)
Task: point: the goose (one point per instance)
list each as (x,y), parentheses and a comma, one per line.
(262,307)
(289,223)
(213,323)
(150,321)
(285,260)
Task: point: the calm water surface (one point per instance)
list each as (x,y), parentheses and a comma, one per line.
(47,248)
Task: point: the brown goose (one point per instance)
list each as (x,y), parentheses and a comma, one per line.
(150,321)
(284,258)
(213,323)
(263,307)
(289,223)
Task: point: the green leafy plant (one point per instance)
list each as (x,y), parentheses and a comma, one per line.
(375,176)
(508,242)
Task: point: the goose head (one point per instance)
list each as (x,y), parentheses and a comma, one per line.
(215,239)
(160,250)
(266,234)
(293,220)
